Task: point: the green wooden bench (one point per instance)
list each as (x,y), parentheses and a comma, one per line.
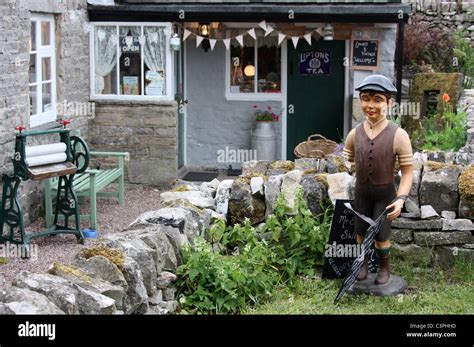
(90,183)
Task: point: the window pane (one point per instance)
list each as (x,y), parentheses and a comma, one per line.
(154,51)
(269,69)
(242,69)
(32,70)
(33,100)
(33,37)
(130,60)
(105,60)
(45,33)
(46,69)
(47,103)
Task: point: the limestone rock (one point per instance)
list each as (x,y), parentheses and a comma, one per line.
(437,238)
(458,224)
(196,198)
(86,281)
(439,187)
(256,185)
(424,224)
(428,212)
(289,186)
(448,214)
(25,301)
(222,196)
(315,192)
(402,236)
(272,191)
(341,186)
(242,204)
(255,167)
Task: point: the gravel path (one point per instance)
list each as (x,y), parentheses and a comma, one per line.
(111,217)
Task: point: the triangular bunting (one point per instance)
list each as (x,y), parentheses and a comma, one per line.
(240,39)
(281,37)
(268,30)
(199,40)
(212,42)
(186,34)
(226,43)
(319,30)
(307,37)
(251,32)
(295,39)
(263,25)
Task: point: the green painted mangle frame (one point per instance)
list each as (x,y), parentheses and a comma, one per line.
(63,160)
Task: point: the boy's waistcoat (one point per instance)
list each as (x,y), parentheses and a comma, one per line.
(375,160)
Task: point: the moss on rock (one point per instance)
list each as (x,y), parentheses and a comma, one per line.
(113,255)
(466,182)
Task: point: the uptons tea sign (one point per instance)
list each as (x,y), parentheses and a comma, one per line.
(315,62)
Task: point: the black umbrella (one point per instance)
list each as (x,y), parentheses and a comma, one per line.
(369,238)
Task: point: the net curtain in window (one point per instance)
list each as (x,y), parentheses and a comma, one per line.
(105,58)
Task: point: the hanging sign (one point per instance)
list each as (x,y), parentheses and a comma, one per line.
(365,49)
(316,62)
(130,44)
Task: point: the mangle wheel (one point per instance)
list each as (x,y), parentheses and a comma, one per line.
(80,153)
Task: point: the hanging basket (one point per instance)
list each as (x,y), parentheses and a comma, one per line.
(315,148)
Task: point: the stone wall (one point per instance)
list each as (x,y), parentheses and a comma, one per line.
(446,15)
(72,55)
(148,131)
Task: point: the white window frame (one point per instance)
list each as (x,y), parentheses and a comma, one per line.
(169,69)
(256,96)
(39,117)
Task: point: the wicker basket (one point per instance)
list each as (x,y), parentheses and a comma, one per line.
(315,148)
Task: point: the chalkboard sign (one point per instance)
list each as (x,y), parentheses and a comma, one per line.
(365,54)
(315,62)
(365,49)
(342,248)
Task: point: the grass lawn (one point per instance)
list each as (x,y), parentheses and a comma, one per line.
(430,291)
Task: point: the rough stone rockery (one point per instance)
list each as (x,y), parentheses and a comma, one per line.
(133,271)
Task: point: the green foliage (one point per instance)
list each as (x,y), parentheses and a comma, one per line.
(301,237)
(210,282)
(237,266)
(464,52)
(448,133)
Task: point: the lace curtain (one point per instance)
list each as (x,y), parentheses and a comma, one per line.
(105,57)
(154,48)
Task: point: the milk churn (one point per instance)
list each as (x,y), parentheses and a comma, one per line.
(264,140)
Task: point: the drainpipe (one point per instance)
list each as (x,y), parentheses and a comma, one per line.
(401,29)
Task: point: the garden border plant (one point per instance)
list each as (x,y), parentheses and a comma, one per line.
(240,265)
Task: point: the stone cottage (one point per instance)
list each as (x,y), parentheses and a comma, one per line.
(174,83)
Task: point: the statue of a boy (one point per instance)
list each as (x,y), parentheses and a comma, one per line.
(375,145)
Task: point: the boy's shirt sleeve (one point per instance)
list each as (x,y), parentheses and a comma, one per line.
(403,149)
(348,150)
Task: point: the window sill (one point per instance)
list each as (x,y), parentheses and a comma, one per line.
(115,101)
(46,126)
(254,97)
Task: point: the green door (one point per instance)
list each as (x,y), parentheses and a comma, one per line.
(315,92)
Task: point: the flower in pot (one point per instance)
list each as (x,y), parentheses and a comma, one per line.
(265,115)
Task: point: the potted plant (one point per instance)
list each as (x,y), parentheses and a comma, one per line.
(264,139)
